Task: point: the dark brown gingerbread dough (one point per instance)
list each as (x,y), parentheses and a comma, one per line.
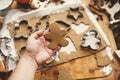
(56,36)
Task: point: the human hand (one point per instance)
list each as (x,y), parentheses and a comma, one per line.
(37,47)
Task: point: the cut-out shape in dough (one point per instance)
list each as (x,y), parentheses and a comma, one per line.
(23,30)
(80,28)
(61,20)
(90,40)
(74,13)
(69,48)
(56,36)
(43,23)
(63,23)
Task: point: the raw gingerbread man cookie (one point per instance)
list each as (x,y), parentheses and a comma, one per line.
(56,36)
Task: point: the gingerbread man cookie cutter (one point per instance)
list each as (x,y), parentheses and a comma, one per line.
(90,40)
(23,31)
